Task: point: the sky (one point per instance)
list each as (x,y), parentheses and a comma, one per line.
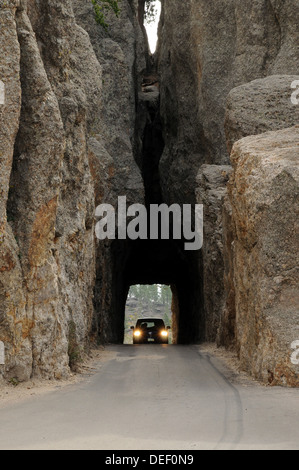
(152,29)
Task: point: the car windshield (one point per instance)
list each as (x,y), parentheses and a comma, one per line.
(152,323)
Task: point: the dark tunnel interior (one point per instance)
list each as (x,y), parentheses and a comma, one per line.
(160,262)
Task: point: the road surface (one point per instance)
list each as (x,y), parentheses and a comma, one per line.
(155,398)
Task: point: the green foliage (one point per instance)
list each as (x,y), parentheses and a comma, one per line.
(150,12)
(152,294)
(167,320)
(14,382)
(102,7)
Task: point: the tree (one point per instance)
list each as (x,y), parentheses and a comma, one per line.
(150,11)
(166,295)
(152,294)
(134,292)
(101,8)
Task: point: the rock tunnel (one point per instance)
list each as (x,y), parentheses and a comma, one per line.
(155,261)
(91,115)
(151,261)
(158,262)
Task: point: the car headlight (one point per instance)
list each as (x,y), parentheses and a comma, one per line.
(164,333)
(137,333)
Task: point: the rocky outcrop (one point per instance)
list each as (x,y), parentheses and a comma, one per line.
(185,145)
(78,129)
(212,189)
(229,44)
(260,106)
(264,193)
(268,107)
(72,140)
(14,326)
(240,64)
(49,302)
(111,148)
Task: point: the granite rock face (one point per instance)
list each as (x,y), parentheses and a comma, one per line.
(230,44)
(121,53)
(260,106)
(77,130)
(233,80)
(51,237)
(13,321)
(65,148)
(212,189)
(264,194)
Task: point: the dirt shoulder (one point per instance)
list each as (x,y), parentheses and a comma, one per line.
(15,393)
(228,364)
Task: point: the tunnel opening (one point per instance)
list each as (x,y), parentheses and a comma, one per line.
(148,301)
(151,23)
(149,13)
(150,262)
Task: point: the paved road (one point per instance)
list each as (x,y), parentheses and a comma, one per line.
(155,398)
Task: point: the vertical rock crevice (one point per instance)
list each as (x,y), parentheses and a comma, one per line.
(162,261)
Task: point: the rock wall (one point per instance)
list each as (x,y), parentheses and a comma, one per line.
(260,106)
(13,324)
(67,144)
(50,206)
(122,54)
(217,46)
(76,131)
(233,80)
(212,187)
(269,107)
(264,193)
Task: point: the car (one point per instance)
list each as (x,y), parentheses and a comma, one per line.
(150,330)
